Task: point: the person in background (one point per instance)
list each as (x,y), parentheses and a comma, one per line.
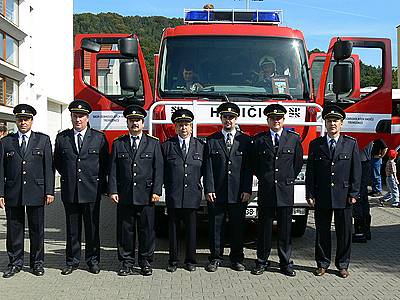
(379,149)
(208,6)
(391,181)
(3,130)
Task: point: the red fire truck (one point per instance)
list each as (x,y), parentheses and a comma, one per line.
(218,55)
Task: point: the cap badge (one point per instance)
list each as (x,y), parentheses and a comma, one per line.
(332,111)
(134,112)
(183,116)
(275,111)
(229,109)
(23,111)
(79,106)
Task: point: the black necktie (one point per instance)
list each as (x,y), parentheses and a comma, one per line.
(276,142)
(23,145)
(184,149)
(134,147)
(229,141)
(332,147)
(80,142)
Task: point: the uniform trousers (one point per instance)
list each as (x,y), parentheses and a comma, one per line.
(217,214)
(323,243)
(16,232)
(129,219)
(283,216)
(188,216)
(90,213)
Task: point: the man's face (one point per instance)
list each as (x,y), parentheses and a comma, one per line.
(135,125)
(275,123)
(24,124)
(268,69)
(79,120)
(333,126)
(187,75)
(229,122)
(184,129)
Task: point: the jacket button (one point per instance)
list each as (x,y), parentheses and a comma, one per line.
(333,174)
(134,174)
(79,170)
(229,162)
(24,172)
(276,157)
(332,184)
(134,164)
(24,162)
(134,184)
(276,181)
(186,174)
(186,165)
(276,170)
(79,180)
(24,182)
(79,159)
(333,164)
(186,185)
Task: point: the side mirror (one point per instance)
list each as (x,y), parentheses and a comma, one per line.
(128,47)
(342,50)
(129,74)
(342,78)
(90,46)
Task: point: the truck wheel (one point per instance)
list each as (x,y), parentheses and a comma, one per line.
(299,226)
(161,223)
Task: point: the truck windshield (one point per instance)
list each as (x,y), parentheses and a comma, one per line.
(234,66)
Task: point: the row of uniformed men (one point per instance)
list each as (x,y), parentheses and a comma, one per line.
(139,166)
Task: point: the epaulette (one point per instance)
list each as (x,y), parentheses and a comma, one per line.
(294,132)
(151,136)
(96,130)
(120,137)
(260,134)
(349,137)
(200,140)
(10,133)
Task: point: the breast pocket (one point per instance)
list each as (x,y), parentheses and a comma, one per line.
(122,155)
(288,150)
(146,155)
(197,156)
(37,153)
(344,156)
(94,151)
(216,152)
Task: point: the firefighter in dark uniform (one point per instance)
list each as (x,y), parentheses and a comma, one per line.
(278,158)
(26,183)
(332,185)
(228,185)
(135,184)
(183,167)
(81,157)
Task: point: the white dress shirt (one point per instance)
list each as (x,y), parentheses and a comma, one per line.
(181,141)
(273,133)
(137,141)
(27,136)
(225,133)
(82,132)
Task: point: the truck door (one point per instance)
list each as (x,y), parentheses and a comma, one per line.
(96,80)
(369,113)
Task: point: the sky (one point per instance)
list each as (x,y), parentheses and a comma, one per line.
(318,20)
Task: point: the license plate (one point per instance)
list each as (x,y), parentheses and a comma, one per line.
(251,212)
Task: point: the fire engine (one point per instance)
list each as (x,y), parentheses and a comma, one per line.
(219,55)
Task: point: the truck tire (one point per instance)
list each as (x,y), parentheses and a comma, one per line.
(161,223)
(299,226)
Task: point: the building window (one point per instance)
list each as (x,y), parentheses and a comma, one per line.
(9,9)
(8,92)
(11,50)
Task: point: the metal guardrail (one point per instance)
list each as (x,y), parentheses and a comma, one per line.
(257,121)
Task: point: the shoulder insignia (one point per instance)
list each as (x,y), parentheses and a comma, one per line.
(349,137)
(294,132)
(96,130)
(120,137)
(151,136)
(200,140)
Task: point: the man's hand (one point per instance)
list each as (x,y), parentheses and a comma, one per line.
(245,197)
(211,197)
(311,202)
(48,199)
(155,198)
(115,198)
(2,202)
(352,200)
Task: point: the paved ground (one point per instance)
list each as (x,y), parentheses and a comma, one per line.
(374,269)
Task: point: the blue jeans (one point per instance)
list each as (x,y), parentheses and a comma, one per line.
(393,190)
(376,175)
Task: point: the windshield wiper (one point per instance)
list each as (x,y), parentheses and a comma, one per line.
(263,96)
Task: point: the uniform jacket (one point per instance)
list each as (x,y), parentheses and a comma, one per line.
(276,173)
(331,182)
(25,180)
(228,174)
(84,172)
(182,174)
(136,177)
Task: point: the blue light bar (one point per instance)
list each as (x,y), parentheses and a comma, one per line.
(232,16)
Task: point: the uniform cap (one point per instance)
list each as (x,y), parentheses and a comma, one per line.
(134,112)
(275,110)
(80,106)
(333,111)
(24,110)
(228,108)
(182,115)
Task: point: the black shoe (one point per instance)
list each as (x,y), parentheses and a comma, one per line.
(190,267)
(288,272)
(237,266)
(94,269)
(260,268)
(172,268)
(38,270)
(212,266)
(124,271)
(359,238)
(146,270)
(11,271)
(68,270)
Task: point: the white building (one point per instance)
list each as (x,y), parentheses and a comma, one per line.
(36,61)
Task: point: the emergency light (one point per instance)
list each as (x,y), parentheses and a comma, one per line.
(232,16)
